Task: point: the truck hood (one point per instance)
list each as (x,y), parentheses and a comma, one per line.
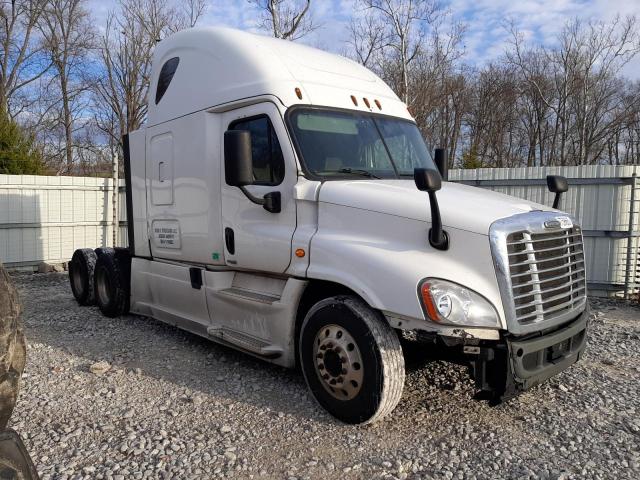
(461,206)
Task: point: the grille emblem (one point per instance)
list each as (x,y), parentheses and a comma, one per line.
(552,224)
(559,222)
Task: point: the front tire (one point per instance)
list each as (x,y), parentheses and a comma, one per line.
(351,360)
(111,285)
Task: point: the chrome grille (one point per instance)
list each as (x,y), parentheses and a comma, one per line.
(547,273)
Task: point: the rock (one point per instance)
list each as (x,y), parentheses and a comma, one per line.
(100,367)
(44,267)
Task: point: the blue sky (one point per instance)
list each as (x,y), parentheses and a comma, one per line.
(539,20)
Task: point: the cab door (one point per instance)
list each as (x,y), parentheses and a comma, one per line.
(254,238)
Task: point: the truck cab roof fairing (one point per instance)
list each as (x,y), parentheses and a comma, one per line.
(221,65)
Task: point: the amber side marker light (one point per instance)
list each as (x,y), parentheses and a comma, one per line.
(366,102)
(300,253)
(299,93)
(354,100)
(427,301)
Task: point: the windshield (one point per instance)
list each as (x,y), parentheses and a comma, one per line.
(343,143)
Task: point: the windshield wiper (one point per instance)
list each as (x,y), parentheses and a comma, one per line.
(357,171)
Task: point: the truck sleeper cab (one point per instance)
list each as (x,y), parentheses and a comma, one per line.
(281,201)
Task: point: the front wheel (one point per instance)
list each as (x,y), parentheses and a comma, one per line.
(351,360)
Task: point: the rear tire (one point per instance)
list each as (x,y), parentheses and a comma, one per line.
(111,284)
(81,269)
(351,359)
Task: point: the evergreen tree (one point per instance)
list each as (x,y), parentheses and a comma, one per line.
(18,153)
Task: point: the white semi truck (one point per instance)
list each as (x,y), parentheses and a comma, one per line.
(282,201)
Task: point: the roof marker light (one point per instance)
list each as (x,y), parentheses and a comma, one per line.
(377,102)
(366,102)
(354,100)
(299,93)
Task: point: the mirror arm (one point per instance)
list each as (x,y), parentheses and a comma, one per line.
(250,196)
(438,238)
(270,202)
(556,200)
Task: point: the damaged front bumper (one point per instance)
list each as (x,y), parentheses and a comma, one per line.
(514,364)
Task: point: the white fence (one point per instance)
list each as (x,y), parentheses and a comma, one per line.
(47,218)
(601,197)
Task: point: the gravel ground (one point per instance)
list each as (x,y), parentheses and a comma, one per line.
(173,405)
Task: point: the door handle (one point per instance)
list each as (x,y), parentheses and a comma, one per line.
(229,240)
(161,171)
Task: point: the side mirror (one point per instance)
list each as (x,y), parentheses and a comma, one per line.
(238,169)
(557,184)
(440,158)
(429,181)
(238,161)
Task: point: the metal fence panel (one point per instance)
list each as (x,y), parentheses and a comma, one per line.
(598,197)
(47,218)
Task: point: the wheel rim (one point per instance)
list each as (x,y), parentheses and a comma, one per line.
(338,362)
(103,286)
(76,277)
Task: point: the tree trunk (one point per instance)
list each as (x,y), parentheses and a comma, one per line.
(68,124)
(12,347)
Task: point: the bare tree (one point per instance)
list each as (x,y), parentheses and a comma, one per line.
(583,72)
(189,12)
(367,38)
(126,51)
(406,23)
(20,59)
(439,85)
(286,19)
(68,39)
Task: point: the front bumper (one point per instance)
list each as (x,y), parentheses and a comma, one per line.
(516,364)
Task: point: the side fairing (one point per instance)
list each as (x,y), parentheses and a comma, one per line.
(383,257)
(137,194)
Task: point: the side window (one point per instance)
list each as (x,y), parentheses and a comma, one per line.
(166,75)
(268,162)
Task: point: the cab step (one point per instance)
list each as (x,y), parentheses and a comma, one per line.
(251,295)
(245,342)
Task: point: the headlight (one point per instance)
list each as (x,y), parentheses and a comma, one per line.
(449,303)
